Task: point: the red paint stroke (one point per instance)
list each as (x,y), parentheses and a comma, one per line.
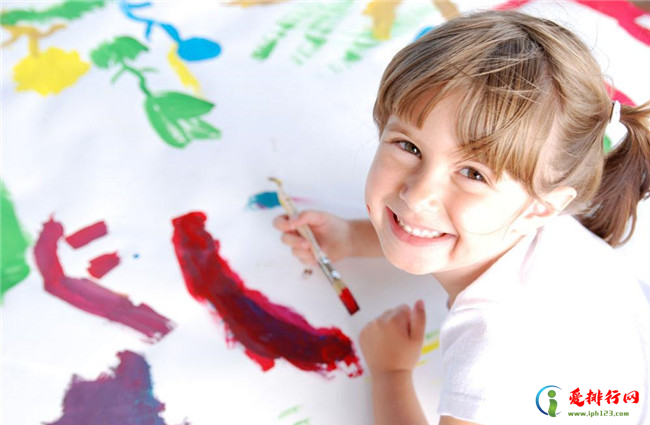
(89,296)
(349,301)
(625,13)
(267,331)
(103,264)
(619,95)
(512,4)
(122,397)
(87,235)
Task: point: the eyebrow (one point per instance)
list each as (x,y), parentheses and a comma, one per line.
(398,127)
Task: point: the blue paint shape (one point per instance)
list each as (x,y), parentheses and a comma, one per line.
(190,49)
(422,32)
(263,201)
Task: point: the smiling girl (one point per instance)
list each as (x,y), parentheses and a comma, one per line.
(491,175)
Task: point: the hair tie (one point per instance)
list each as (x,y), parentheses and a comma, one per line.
(616,112)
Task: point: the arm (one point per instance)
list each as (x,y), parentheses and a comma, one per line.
(394,400)
(391,345)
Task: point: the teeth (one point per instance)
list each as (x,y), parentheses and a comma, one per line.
(420,233)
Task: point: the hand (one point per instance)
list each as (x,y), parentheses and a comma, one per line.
(331,232)
(393,341)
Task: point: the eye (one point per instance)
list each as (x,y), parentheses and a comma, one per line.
(409,147)
(472,174)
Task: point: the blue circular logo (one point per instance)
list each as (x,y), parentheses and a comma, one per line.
(552,402)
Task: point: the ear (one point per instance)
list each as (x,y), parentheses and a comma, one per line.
(538,212)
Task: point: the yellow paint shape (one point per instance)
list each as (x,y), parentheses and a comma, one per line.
(430,347)
(383,15)
(32,33)
(447,8)
(49,72)
(184,74)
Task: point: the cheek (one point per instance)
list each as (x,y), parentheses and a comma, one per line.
(486,216)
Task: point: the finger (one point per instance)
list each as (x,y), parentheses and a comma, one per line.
(292,239)
(310,218)
(305,256)
(418,322)
(281,222)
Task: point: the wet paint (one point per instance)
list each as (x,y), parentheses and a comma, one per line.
(124,396)
(88,295)
(263,201)
(13,245)
(103,264)
(176,117)
(87,234)
(189,49)
(383,15)
(266,330)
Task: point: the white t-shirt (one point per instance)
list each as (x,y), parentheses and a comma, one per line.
(559,309)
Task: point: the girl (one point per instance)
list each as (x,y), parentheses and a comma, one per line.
(491,175)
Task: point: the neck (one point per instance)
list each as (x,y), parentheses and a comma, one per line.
(456,280)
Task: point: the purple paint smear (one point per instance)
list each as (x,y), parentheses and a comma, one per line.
(88,295)
(122,397)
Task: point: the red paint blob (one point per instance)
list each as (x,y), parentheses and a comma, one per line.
(87,235)
(349,301)
(267,331)
(103,264)
(88,295)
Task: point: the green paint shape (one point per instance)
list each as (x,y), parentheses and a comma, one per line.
(68,10)
(13,245)
(290,411)
(406,20)
(117,52)
(176,118)
(325,17)
(607,144)
(282,28)
(302,422)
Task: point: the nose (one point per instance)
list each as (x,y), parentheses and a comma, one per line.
(424,191)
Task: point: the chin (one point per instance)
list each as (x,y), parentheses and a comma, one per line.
(413,266)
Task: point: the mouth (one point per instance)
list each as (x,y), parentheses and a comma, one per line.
(415,235)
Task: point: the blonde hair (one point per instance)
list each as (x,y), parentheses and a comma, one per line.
(533,104)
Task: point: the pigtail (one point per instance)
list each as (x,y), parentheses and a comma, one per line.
(625,182)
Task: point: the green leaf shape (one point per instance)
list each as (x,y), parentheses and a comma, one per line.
(13,245)
(176,118)
(68,10)
(117,51)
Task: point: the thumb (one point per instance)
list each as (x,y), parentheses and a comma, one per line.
(418,322)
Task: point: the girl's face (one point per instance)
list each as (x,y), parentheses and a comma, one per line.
(433,212)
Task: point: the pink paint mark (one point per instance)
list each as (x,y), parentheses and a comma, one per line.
(103,264)
(122,397)
(267,331)
(87,235)
(89,296)
(619,95)
(512,4)
(625,13)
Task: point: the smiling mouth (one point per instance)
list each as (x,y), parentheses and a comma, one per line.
(420,233)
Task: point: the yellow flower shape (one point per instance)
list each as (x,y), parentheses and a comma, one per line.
(49,72)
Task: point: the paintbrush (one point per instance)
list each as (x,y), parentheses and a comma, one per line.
(325,264)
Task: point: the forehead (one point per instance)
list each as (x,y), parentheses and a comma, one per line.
(439,122)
